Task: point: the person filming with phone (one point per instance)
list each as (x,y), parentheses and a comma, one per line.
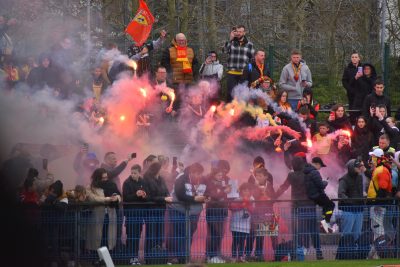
(211,68)
(378,98)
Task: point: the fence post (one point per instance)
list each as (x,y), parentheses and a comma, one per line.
(386,68)
(187,233)
(77,234)
(271,60)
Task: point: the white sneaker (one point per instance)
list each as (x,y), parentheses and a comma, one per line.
(335,228)
(325,226)
(216,259)
(134,261)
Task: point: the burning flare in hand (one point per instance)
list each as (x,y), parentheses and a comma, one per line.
(143,92)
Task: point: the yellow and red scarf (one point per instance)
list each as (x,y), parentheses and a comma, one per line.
(296,70)
(181,56)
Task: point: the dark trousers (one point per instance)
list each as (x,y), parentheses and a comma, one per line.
(104,236)
(154,231)
(215,233)
(178,246)
(238,243)
(259,244)
(134,226)
(327,206)
(231,81)
(307,227)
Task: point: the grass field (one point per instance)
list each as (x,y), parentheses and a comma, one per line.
(351,263)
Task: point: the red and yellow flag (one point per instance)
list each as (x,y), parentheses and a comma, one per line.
(140,27)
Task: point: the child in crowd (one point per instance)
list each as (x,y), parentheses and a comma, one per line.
(240,225)
(263,192)
(322,141)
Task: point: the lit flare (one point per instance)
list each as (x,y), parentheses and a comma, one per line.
(122,118)
(143,92)
(132,64)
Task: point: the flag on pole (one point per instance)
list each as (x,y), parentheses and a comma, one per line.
(140,27)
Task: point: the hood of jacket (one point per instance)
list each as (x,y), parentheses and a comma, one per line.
(351,168)
(309,168)
(373,70)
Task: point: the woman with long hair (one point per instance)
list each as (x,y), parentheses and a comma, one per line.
(338,119)
(102,228)
(157,192)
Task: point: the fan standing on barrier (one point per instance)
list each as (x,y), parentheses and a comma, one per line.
(315,188)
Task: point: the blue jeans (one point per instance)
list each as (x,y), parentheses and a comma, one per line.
(351,223)
(293,103)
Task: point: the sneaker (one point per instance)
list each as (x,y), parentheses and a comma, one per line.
(319,256)
(334,228)
(242,259)
(134,261)
(216,259)
(325,226)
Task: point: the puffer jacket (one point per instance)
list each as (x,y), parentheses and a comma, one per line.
(313,181)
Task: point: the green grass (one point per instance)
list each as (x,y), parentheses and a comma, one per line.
(352,263)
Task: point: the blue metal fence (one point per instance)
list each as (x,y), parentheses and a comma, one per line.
(289,231)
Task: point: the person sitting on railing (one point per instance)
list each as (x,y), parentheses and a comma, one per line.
(338,119)
(189,190)
(315,189)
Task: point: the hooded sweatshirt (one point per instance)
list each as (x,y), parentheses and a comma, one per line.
(350,186)
(363,86)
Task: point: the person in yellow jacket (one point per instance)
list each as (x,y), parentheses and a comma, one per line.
(380,187)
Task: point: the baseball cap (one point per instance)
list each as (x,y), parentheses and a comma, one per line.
(377,152)
(318,160)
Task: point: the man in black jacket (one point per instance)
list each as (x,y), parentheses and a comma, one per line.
(315,189)
(373,100)
(134,191)
(256,72)
(351,186)
(113,172)
(349,75)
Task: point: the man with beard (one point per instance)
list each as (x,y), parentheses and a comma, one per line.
(240,51)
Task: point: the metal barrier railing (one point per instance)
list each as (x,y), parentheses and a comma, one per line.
(237,231)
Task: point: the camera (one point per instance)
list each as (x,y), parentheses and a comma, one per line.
(373,106)
(133,155)
(234,28)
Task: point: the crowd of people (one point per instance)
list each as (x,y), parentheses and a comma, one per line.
(285,114)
